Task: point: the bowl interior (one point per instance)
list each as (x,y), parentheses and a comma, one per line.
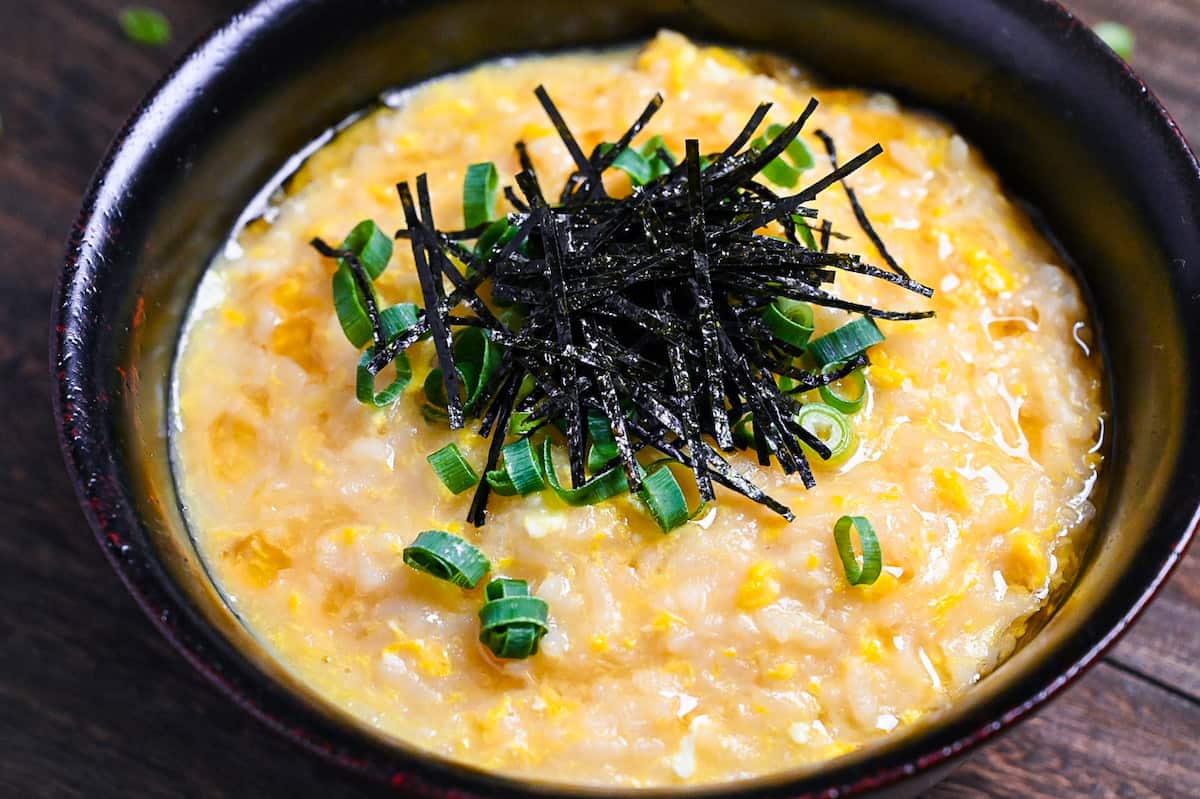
(1062,121)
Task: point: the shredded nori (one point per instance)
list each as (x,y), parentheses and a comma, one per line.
(643,309)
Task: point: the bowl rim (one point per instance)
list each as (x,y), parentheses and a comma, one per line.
(90,459)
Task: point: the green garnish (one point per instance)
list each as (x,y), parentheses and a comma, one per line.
(511,621)
(481,188)
(830,426)
(846,341)
(497,234)
(1117,36)
(364,381)
(603,450)
(848,394)
(447,557)
(607,484)
(790,321)
(522,472)
(869,570)
(665,499)
(784,171)
(632,163)
(476,357)
(452,469)
(373,249)
(145,26)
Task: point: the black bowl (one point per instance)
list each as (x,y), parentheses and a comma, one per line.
(1067,124)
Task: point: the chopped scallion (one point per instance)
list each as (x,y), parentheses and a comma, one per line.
(849,394)
(481,189)
(868,571)
(364,383)
(845,342)
(665,499)
(830,426)
(632,163)
(146,26)
(522,472)
(512,622)
(790,321)
(1117,36)
(453,469)
(607,484)
(447,557)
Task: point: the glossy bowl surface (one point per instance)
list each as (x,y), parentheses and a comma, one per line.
(1067,124)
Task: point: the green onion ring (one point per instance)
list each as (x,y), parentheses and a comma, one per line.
(632,163)
(522,472)
(601,487)
(790,321)
(505,586)
(665,499)
(835,397)
(845,342)
(512,622)
(831,426)
(364,382)
(481,188)
(872,556)
(452,469)
(447,557)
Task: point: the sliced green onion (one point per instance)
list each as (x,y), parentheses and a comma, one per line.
(604,446)
(1116,36)
(869,570)
(522,423)
(514,642)
(513,610)
(478,358)
(781,173)
(481,188)
(601,487)
(497,234)
(145,26)
(364,383)
(522,472)
(505,586)
(829,425)
(374,251)
(398,318)
(847,394)
(452,469)
(658,166)
(797,152)
(847,341)
(447,557)
(790,321)
(804,231)
(632,163)
(512,622)
(743,431)
(351,311)
(372,246)
(665,499)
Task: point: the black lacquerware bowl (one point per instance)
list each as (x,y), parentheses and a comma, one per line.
(1067,124)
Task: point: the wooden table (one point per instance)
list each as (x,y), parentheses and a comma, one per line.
(93,702)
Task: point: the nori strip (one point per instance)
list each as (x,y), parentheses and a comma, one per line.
(859,213)
(645,308)
(435,310)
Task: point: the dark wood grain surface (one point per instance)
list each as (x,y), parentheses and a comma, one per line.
(93,702)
